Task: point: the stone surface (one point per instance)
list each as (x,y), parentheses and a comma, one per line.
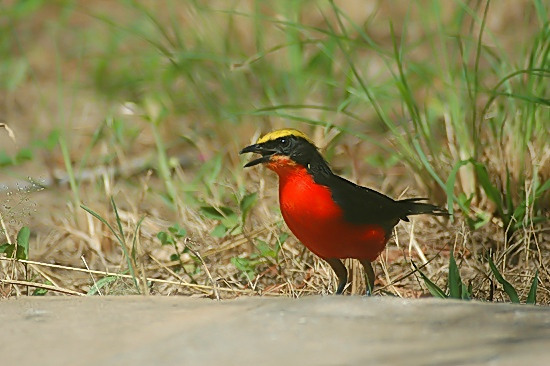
(333,330)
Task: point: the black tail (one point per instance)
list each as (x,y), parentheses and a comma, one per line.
(410,206)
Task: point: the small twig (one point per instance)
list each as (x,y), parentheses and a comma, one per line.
(5,229)
(10,132)
(91,275)
(104,273)
(414,243)
(384,265)
(411,272)
(43,286)
(214,285)
(40,272)
(167,269)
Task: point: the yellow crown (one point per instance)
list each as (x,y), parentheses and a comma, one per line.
(282,133)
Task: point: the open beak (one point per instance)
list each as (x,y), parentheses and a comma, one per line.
(258,149)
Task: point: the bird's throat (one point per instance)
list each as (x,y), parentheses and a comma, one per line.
(285,166)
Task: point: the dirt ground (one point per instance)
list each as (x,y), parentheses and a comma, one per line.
(315,330)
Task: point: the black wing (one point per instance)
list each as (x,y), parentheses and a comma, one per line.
(363,205)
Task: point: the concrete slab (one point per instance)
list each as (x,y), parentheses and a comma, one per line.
(334,330)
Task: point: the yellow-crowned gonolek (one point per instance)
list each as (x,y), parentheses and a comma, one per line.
(330,215)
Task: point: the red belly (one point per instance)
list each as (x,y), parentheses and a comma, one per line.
(318,222)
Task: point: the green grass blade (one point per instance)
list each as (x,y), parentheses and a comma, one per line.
(119,238)
(455,282)
(466,292)
(508,288)
(427,165)
(134,240)
(450,186)
(75,188)
(476,82)
(103,221)
(102,282)
(541,12)
(23,243)
(532,296)
(123,245)
(435,290)
(492,192)
(163,168)
(543,188)
(119,223)
(246,204)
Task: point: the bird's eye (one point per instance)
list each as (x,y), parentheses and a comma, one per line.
(283,141)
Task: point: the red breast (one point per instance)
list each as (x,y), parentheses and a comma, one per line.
(317,221)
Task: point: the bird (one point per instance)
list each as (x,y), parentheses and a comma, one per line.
(332,216)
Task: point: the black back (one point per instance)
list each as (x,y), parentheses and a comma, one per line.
(361,205)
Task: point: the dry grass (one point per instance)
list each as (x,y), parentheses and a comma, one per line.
(62,253)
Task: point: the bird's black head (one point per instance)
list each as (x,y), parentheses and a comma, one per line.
(289,143)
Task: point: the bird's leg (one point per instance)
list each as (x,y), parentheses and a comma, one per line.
(369,273)
(341,272)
